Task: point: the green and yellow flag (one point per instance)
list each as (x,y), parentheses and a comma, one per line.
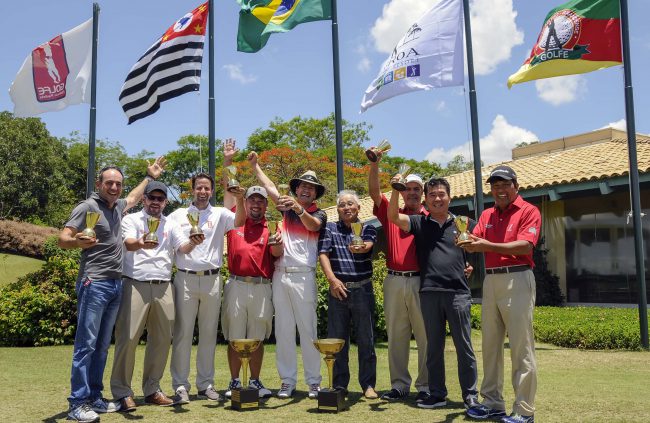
(258,19)
(578,37)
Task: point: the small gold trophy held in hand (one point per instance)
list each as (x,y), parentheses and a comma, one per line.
(245,398)
(284,190)
(404,171)
(231,173)
(273,229)
(330,399)
(462,222)
(152,225)
(91,220)
(357,228)
(383,147)
(195,230)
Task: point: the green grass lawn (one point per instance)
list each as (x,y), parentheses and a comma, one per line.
(573,385)
(12,267)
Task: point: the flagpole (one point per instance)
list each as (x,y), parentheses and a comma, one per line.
(90,177)
(211,108)
(337,99)
(476,147)
(634,176)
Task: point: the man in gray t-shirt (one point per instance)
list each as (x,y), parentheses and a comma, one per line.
(99,286)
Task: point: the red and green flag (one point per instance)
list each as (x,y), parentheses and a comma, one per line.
(577,37)
(258,19)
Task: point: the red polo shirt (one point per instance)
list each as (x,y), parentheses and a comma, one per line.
(249,253)
(520,220)
(400,245)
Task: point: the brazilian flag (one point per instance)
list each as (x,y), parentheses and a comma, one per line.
(258,19)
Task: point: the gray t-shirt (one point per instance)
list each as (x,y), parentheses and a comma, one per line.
(104,260)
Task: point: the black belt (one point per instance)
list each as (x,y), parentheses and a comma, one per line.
(508,269)
(353,285)
(404,274)
(201,272)
(152,281)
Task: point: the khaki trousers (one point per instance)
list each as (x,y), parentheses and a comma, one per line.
(508,302)
(403,318)
(143,305)
(195,296)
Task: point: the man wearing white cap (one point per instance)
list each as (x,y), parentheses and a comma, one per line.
(401,289)
(294,279)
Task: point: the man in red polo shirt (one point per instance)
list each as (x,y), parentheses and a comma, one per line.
(507,233)
(247,310)
(401,290)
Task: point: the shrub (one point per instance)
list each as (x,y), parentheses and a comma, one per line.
(24,238)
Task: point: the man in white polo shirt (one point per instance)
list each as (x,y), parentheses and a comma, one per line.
(147,299)
(197,288)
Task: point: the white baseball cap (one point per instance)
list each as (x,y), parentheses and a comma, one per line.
(256,189)
(414,178)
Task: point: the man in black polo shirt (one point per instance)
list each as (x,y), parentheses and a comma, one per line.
(444,291)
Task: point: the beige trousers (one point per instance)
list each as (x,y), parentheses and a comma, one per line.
(508,302)
(403,318)
(143,305)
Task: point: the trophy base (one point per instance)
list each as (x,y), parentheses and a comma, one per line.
(232,188)
(398,186)
(371,155)
(244,399)
(149,242)
(331,400)
(464,242)
(358,243)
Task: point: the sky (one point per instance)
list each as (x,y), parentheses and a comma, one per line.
(293,76)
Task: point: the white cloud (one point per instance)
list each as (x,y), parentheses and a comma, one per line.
(441,106)
(561,89)
(621,125)
(495,147)
(494,31)
(236,73)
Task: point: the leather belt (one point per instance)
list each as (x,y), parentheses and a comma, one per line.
(404,274)
(201,272)
(150,282)
(507,269)
(251,279)
(298,269)
(353,285)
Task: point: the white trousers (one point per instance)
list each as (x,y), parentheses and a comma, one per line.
(294,300)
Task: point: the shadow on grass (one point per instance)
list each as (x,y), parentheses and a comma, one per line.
(298,396)
(53,419)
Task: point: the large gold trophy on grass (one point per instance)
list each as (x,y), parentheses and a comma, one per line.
(245,398)
(330,399)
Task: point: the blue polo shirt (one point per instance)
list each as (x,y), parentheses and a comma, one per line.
(334,239)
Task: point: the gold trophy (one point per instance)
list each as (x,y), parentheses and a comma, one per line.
(357,227)
(231,173)
(195,230)
(403,170)
(273,229)
(245,398)
(462,222)
(330,399)
(152,225)
(284,190)
(383,147)
(91,220)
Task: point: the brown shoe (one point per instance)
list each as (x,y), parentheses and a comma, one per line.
(158,398)
(370,393)
(127,405)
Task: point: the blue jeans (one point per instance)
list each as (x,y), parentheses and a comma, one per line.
(357,309)
(97,306)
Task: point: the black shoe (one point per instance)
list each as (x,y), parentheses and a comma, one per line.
(432,402)
(395,395)
(471,402)
(479,411)
(421,396)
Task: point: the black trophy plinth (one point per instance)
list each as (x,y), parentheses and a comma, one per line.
(244,399)
(331,400)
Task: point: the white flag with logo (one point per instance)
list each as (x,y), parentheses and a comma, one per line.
(429,55)
(56,74)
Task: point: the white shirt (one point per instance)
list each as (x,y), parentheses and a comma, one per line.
(214,222)
(155,263)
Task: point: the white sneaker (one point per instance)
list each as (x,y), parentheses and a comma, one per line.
(314,388)
(286,391)
(102,405)
(181,396)
(234,384)
(83,414)
(257,384)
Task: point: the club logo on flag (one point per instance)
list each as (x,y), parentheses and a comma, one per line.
(50,70)
(559,38)
(183,22)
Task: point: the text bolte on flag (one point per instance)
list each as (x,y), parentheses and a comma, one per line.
(577,37)
(258,19)
(56,74)
(169,68)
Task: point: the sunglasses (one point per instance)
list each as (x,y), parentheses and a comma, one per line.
(158,198)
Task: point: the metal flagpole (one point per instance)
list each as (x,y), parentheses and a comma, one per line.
(634,176)
(211,109)
(476,147)
(337,99)
(90,177)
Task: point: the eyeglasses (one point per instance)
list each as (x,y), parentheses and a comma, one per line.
(157,198)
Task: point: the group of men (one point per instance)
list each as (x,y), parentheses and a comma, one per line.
(125,280)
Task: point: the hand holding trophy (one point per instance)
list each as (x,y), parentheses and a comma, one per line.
(284,190)
(195,230)
(151,239)
(357,241)
(231,173)
(462,222)
(91,220)
(403,171)
(373,153)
